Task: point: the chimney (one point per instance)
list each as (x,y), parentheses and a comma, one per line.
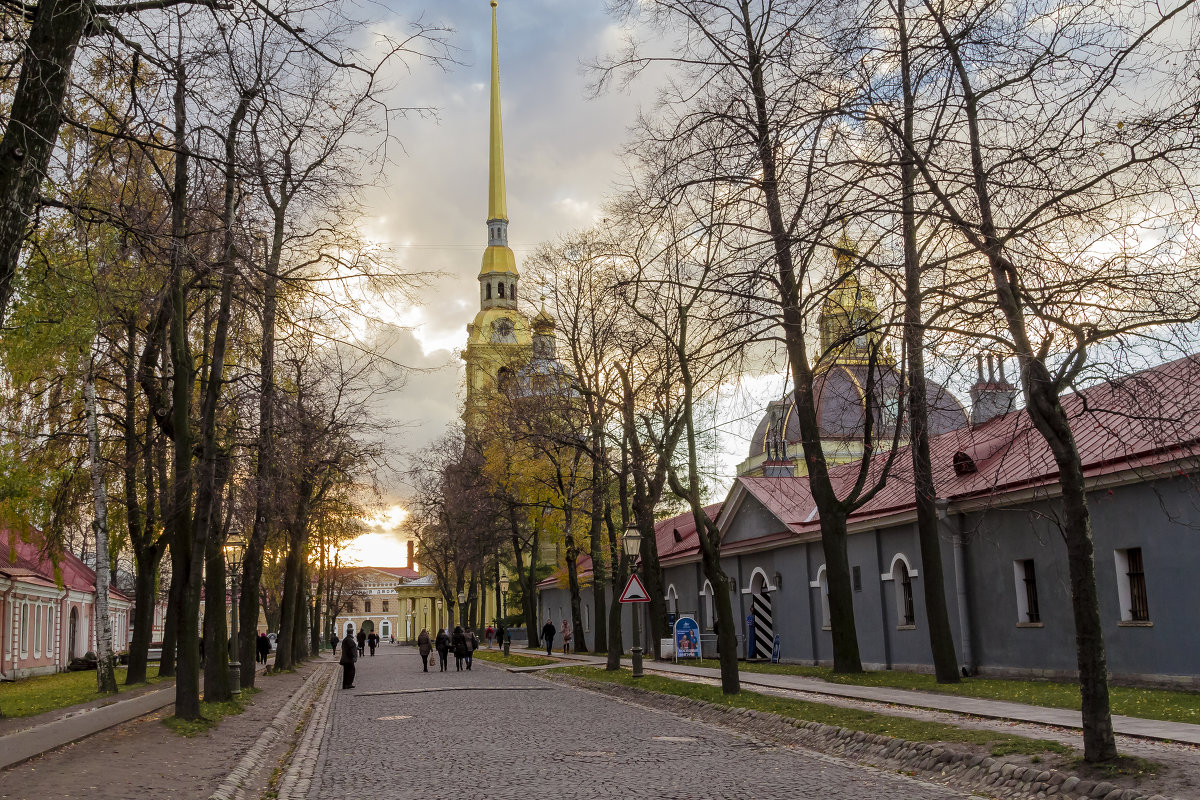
(992,395)
(778,463)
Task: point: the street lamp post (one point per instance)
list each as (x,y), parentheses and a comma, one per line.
(233,556)
(632,543)
(462,598)
(503,602)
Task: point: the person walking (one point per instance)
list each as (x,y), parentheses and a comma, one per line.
(262,646)
(459,642)
(487,634)
(566,633)
(472,646)
(362,642)
(442,643)
(424,648)
(349,656)
(500,636)
(548,636)
(372,640)
(333,642)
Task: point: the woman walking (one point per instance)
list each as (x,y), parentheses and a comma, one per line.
(442,643)
(459,641)
(424,647)
(566,634)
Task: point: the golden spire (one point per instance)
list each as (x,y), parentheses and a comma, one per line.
(497,206)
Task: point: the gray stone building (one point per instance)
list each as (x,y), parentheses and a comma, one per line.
(1004,560)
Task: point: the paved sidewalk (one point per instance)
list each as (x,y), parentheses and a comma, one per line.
(79,722)
(994,709)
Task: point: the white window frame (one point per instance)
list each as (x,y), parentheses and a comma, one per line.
(822,585)
(24,631)
(706,601)
(38,630)
(1021,592)
(672,599)
(1124,591)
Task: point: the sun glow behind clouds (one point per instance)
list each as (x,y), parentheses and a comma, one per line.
(383,545)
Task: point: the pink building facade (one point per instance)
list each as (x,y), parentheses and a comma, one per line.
(45,622)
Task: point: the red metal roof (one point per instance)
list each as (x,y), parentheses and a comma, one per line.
(1148,419)
(27,562)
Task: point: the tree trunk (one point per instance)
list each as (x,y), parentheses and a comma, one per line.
(941,640)
(106,678)
(145,595)
(252,562)
(618,575)
(218,687)
(289,607)
(146,545)
(599,578)
(34,118)
(299,640)
(573,579)
(1048,415)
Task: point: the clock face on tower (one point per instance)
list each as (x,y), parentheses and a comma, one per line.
(503,332)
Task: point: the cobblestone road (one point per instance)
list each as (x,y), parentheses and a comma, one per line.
(402,733)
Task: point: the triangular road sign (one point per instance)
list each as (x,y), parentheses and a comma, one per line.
(635,592)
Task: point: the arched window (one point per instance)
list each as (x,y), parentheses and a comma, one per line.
(672,600)
(821,584)
(500,289)
(512,291)
(488,290)
(903,573)
(904,596)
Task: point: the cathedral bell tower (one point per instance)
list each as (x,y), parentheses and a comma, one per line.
(498,340)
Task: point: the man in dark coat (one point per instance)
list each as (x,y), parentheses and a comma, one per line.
(263,647)
(333,641)
(362,642)
(349,656)
(548,631)
(372,640)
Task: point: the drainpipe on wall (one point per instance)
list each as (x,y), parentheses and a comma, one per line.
(961,589)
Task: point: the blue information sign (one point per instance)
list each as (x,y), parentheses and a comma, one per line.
(687,637)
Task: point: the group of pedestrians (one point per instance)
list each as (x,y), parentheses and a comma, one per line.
(549,632)
(463,643)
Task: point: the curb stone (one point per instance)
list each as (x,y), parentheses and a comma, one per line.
(252,761)
(297,777)
(963,769)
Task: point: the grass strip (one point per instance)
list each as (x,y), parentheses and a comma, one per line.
(513,660)
(211,715)
(1163,704)
(913,730)
(41,693)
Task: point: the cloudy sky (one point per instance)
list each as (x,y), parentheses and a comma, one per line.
(562,158)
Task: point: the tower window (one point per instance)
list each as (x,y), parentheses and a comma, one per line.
(489,291)
(500,289)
